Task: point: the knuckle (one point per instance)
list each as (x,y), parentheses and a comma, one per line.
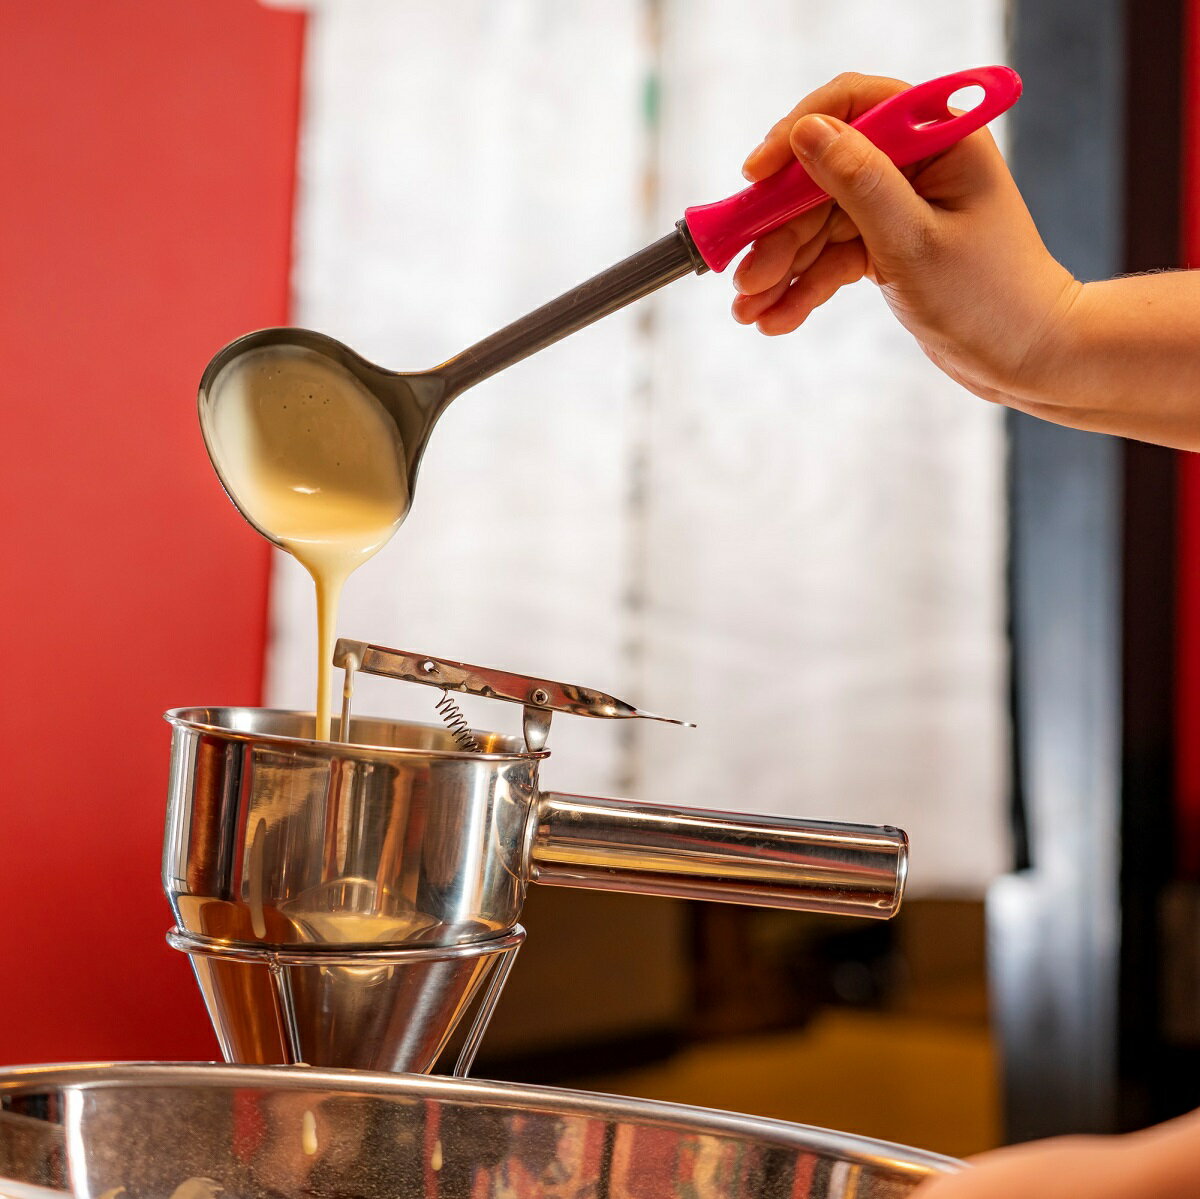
(780,129)
(917,245)
(925,242)
(861,171)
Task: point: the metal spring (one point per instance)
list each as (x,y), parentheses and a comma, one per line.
(456,722)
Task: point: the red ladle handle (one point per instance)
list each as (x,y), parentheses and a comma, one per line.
(907,127)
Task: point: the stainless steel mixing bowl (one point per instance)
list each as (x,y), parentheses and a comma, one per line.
(199,1131)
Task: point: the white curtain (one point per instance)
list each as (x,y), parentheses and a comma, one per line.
(797,543)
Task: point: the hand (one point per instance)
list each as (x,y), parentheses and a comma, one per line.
(1160,1163)
(949,242)
(1067,1168)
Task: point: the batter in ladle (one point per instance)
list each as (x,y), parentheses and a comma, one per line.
(314,461)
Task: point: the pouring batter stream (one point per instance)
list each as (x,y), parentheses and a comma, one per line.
(315,463)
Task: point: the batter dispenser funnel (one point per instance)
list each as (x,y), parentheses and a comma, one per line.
(389,1009)
(343,901)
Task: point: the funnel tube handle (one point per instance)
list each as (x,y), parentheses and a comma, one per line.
(690,853)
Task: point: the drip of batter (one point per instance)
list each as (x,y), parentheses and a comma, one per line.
(314,461)
(308,1132)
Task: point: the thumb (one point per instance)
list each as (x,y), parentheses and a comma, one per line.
(866,184)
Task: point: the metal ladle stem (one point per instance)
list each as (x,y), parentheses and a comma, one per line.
(639,275)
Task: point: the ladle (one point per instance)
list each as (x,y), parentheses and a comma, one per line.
(913,125)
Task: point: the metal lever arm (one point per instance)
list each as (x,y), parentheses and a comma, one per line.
(767,861)
(524,689)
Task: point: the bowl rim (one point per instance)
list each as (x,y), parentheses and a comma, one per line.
(846,1146)
(200,719)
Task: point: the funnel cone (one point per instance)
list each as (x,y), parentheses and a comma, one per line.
(365,1009)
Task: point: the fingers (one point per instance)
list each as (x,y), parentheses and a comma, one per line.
(846,97)
(892,219)
(1101,1168)
(752,303)
(786,307)
(755,303)
(768,263)
(841,227)
(747,309)
(772,255)
(793,270)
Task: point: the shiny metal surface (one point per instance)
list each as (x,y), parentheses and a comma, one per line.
(363,1009)
(274,840)
(615,845)
(487,682)
(183,1131)
(300,872)
(415,400)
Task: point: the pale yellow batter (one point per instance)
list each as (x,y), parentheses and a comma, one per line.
(316,463)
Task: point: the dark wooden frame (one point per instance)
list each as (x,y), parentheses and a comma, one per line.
(1074,940)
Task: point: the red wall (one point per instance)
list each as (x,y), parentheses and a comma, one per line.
(148,161)
(1188,678)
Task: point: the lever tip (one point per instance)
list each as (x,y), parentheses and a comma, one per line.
(345,648)
(684,724)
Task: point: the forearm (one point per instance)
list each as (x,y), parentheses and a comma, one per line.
(1123,358)
(1167,1157)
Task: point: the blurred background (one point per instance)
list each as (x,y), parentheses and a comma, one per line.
(880,599)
